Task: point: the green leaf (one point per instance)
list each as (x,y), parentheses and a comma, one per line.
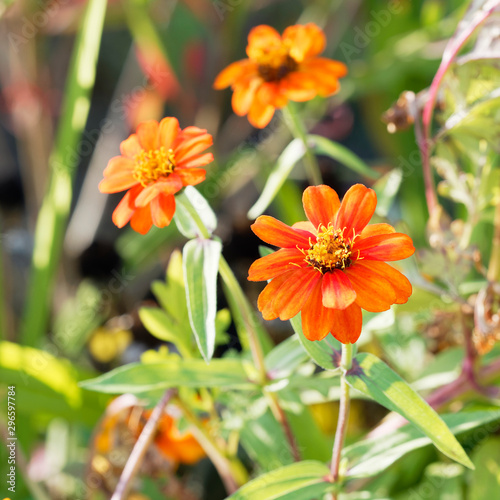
(284,165)
(323,146)
(485,482)
(192,212)
(285,357)
(201,265)
(158,323)
(373,377)
(171,293)
(139,377)
(387,188)
(47,384)
(56,206)
(263,439)
(322,352)
(371,456)
(298,481)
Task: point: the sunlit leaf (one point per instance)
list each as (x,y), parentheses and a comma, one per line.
(299,481)
(201,265)
(371,456)
(139,377)
(192,211)
(373,377)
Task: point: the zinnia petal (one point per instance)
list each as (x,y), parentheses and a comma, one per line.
(400,284)
(337,290)
(267,296)
(197,161)
(260,113)
(321,204)
(243,96)
(130,147)
(294,292)
(187,149)
(147,133)
(276,263)
(191,176)
(261,39)
(141,220)
(118,182)
(375,230)
(347,324)
(126,208)
(374,293)
(277,233)
(357,209)
(118,165)
(317,320)
(305,40)
(170,185)
(168,131)
(394,246)
(305,226)
(162,210)
(230,75)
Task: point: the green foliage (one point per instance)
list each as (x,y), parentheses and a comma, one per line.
(299,481)
(201,265)
(373,377)
(144,377)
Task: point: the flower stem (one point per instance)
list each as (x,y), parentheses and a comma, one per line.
(231,470)
(256,335)
(298,130)
(345,402)
(141,446)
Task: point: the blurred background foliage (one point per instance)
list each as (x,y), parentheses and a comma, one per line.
(159,58)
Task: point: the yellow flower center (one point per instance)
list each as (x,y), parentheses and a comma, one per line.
(331,250)
(153,164)
(275,63)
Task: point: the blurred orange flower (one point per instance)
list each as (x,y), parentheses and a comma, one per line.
(332,265)
(179,447)
(279,69)
(155,163)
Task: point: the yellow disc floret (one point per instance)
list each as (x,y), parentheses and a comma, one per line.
(153,164)
(331,250)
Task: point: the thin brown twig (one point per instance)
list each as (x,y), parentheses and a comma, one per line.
(141,446)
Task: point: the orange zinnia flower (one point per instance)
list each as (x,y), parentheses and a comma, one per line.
(156,162)
(331,266)
(179,447)
(279,69)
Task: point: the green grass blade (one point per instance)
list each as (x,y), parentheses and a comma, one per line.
(56,205)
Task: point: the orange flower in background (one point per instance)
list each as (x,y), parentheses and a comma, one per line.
(279,69)
(155,163)
(331,266)
(179,447)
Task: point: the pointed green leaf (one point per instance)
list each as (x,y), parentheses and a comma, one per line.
(140,377)
(284,165)
(201,265)
(299,481)
(193,211)
(323,146)
(158,323)
(371,456)
(371,376)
